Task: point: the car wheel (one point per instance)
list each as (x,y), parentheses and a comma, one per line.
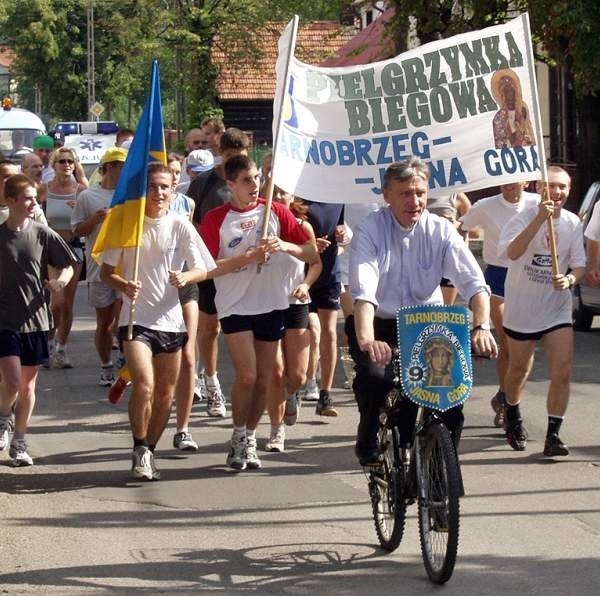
(582,316)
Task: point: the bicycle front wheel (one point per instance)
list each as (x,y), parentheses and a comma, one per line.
(386,487)
(439,491)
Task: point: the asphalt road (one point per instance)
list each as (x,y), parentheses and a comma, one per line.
(75,523)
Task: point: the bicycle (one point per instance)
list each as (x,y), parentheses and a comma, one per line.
(422,468)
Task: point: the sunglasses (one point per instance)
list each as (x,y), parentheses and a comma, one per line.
(66,161)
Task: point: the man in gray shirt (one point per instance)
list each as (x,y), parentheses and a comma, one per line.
(29,253)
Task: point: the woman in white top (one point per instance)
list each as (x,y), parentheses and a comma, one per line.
(61,194)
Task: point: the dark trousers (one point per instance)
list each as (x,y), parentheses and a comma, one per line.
(372,383)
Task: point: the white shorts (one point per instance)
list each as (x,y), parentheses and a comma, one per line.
(100,295)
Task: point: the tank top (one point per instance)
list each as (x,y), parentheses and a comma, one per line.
(443,206)
(58,213)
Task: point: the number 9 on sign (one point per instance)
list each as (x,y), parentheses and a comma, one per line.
(415,374)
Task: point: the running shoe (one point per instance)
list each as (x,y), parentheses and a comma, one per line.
(215,402)
(252,460)
(236,458)
(107,376)
(554,446)
(155,472)
(142,463)
(498,404)
(117,389)
(311,391)
(292,409)
(4,429)
(516,435)
(61,359)
(276,442)
(19,455)
(184,442)
(199,389)
(325,405)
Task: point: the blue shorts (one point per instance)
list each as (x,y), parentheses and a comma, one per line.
(265,327)
(325,297)
(495,277)
(30,348)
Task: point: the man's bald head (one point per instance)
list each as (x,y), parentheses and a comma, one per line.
(32,167)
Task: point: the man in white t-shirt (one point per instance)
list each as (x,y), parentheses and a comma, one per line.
(153,351)
(538,306)
(86,219)
(251,305)
(490,215)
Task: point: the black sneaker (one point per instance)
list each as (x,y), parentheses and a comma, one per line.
(368,456)
(554,446)
(516,435)
(498,404)
(325,405)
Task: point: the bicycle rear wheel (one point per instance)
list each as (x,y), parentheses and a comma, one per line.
(439,491)
(386,488)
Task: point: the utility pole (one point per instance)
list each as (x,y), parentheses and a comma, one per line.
(91,61)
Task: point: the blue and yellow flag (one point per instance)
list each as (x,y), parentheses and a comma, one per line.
(123,224)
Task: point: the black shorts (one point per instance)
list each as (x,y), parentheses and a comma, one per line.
(265,327)
(188,293)
(446,283)
(160,342)
(325,297)
(31,348)
(537,335)
(206,297)
(296,317)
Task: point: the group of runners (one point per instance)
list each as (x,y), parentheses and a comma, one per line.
(256,274)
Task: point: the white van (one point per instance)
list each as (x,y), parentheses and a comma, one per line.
(18,128)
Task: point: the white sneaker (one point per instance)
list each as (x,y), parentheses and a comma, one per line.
(276,442)
(107,376)
(4,428)
(184,442)
(142,463)
(236,458)
(215,402)
(19,455)
(61,360)
(199,389)
(292,409)
(311,390)
(252,460)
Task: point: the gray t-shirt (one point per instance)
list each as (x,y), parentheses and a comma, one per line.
(24,259)
(88,202)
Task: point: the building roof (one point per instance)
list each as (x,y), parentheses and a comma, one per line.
(372,44)
(315,42)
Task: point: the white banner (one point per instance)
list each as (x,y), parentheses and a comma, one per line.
(467,105)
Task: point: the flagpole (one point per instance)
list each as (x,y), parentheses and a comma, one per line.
(269,197)
(540,139)
(154,81)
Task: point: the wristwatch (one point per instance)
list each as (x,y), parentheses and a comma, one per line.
(482,326)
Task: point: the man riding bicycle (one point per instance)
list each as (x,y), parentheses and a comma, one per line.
(397,258)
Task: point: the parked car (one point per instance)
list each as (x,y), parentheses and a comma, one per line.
(586,300)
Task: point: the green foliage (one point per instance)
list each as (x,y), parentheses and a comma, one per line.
(50,41)
(563,31)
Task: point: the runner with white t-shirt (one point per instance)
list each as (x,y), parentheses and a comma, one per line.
(538,306)
(153,354)
(490,215)
(86,219)
(251,304)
